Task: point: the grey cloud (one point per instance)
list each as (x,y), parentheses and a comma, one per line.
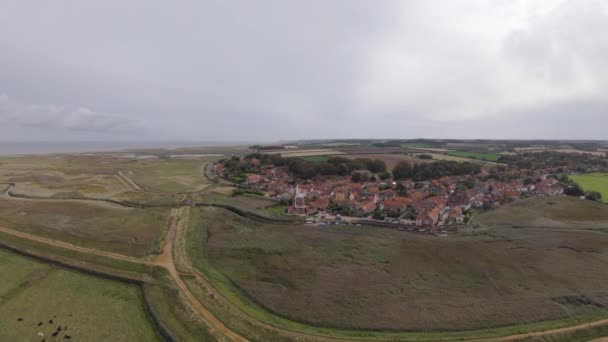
(54,116)
(271,69)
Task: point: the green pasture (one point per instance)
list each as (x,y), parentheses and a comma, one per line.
(39,299)
(593,182)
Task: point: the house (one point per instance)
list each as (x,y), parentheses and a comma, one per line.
(428,217)
(396,205)
(460,199)
(253,179)
(365,207)
(454,216)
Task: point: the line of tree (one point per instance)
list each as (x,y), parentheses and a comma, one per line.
(267,147)
(422,172)
(309,169)
(577,162)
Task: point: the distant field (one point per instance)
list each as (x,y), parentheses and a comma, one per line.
(306,152)
(169,175)
(390,159)
(561,150)
(88,176)
(593,182)
(315,158)
(86,308)
(133,232)
(475,155)
(370,278)
(417,145)
(439,156)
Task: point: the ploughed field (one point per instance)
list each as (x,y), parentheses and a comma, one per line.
(42,302)
(134,232)
(373,278)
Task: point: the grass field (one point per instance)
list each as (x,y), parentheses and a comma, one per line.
(547,212)
(86,176)
(475,155)
(287,153)
(128,231)
(593,182)
(169,175)
(417,145)
(86,308)
(370,278)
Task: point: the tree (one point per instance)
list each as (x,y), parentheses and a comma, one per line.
(378,215)
(402,170)
(593,196)
(401,190)
(574,190)
(384,175)
(376,166)
(343,169)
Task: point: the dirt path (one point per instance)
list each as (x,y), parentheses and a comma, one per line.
(166,260)
(129,181)
(556,331)
(72,247)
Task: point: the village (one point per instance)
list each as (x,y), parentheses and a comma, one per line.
(442,202)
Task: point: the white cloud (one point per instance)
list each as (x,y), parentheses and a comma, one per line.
(480,59)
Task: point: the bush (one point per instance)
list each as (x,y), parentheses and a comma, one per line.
(593,196)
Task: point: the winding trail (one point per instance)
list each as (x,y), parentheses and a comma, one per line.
(66,245)
(166,260)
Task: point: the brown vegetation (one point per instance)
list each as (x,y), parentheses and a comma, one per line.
(370,278)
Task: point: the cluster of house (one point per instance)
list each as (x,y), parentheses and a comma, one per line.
(430,203)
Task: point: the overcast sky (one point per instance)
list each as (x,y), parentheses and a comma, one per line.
(269,70)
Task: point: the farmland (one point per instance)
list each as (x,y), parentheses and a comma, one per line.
(347,275)
(475,155)
(593,182)
(103,226)
(85,307)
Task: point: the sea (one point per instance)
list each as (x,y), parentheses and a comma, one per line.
(44,147)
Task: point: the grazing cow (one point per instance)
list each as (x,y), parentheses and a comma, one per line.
(67,337)
(19,319)
(39,324)
(55,333)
